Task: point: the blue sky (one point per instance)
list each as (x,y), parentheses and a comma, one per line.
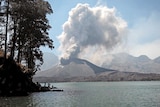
(142,17)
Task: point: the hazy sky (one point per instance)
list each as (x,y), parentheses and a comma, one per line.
(141,18)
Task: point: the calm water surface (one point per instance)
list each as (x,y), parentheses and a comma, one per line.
(92,94)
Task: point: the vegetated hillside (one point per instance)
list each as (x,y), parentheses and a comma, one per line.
(129,63)
(106,76)
(13,80)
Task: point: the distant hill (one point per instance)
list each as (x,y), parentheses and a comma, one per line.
(157,60)
(83,70)
(121,62)
(50,60)
(129,63)
(73,68)
(105,76)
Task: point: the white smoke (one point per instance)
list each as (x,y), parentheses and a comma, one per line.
(91,32)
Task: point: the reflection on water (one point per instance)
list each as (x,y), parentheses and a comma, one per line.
(92,94)
(15,101)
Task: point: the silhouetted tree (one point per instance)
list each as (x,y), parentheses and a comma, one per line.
(4,13)
(26,25)
(28,30)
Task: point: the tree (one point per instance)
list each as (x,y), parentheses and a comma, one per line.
(29,30)
(26,25)
(2,21)
(4,13)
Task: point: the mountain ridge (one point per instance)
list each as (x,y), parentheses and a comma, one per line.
(129,63)
(73,67)
(123,67)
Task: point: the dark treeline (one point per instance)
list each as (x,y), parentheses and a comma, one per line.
(23,30)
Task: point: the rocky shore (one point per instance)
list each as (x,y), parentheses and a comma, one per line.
(15,82)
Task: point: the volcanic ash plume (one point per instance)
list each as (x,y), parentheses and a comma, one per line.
(91,32)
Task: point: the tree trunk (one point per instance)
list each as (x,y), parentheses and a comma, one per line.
(13,40)
(30,58)
(6,30)
(19,52)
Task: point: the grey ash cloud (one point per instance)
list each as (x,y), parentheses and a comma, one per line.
(91,32)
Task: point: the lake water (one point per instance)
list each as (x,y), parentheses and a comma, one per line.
(92,94)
